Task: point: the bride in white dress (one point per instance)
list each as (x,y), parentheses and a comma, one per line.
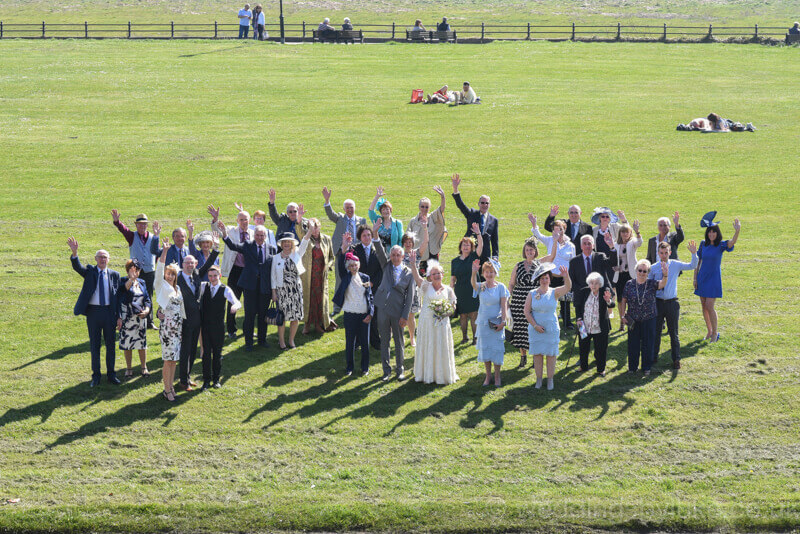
(434,360)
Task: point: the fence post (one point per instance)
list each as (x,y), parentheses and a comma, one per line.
(573,32)
(1,29)
(129,29)
(171,30)
(304,31)
(483,31)
(619,31)
(665,32)
(393,28)
(215,29)
(42,29)
(529,31)
(756,36)
(710,32)
(85,29)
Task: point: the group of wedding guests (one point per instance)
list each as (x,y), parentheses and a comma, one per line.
(389,281)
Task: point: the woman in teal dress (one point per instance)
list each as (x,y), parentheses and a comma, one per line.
(708,273)
(542,317)
(470,249)
(390,232)
(491,320)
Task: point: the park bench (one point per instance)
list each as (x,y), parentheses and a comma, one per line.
(790,38)
(431,36)
(338,36)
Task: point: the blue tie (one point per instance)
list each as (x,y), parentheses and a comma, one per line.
(482,222)
(102,288)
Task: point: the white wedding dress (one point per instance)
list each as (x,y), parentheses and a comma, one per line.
(434,360)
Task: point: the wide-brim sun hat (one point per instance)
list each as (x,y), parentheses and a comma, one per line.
(202,237)
(602,211)
(708,220)
(543,268)
(288,236)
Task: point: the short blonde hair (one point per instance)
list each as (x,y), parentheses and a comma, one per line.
(561,224)
(172,268)
(594,277)
(260,213)
(646,263)
(487,267)
(473,243)
(533,243)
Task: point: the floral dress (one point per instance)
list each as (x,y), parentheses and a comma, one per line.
(133,335)
(290,294)
(170,329)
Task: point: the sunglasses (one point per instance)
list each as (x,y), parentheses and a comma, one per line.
(643,271)
(605,217)
(292,211)
(483,202)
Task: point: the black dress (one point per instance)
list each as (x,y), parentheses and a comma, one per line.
(520,292)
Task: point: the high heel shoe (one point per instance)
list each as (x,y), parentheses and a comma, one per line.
(523,361)
(169,395)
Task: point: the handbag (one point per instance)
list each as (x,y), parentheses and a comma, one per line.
(274,315)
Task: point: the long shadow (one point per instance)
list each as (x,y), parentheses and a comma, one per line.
(57,354)
(235,362)
(212,51)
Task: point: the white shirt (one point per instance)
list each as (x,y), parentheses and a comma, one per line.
(354,300)
(95,300)
(469,96)
(188,280)
(246,13)
(566,251)
(229,296)
(164,291)
(260,19)
(279,263)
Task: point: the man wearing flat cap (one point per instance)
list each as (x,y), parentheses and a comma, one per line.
(143,246)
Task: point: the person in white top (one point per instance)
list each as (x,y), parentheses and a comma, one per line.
(434,360)
(245,16)
(259,21)
(287,290)
(171,315)
(466,96)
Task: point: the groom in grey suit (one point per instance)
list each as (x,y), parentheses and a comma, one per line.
(345,222)
(393,299)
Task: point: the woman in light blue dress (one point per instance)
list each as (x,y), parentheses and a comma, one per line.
(540,312)
(490,337)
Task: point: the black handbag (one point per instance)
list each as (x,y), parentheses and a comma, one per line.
(274,315)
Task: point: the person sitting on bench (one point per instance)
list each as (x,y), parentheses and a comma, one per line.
(418,27)
(347,26)
(795,30)
(445,27)
(326,31)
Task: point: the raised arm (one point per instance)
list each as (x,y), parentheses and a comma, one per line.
(476,285)
(76,263)
(128,234)
(664,275)
(567,287)
(154,250)
(476,229)
(443,199)
(332,215)
(736,227)
(679,237)
(383,259)
(414,271)
(551,217)
(273,212)
(378,195)
(456,181)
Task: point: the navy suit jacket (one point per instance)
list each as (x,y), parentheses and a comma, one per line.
(372,268)
(90,274)
(172,253)
(251,271)
(491,245)
(601,263)
(583,229)
(345,276)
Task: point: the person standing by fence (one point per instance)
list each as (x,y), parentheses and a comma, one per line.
(245,15)
(259,22)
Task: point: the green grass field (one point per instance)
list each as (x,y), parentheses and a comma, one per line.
(287,443)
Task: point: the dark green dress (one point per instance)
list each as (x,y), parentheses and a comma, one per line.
(462,271)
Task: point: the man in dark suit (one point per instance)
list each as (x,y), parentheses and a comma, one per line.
(371,258)
(589,261)
(576,228)
(486,222)
(255,280)
(189,284)
(672,238)
(286,222)
(99,303)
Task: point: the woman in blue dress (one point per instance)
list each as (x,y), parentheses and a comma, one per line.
(540,312)
(491,319)
(708,274)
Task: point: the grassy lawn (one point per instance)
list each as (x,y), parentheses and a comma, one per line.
(287,443)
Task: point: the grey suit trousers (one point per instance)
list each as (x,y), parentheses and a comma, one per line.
(389,327)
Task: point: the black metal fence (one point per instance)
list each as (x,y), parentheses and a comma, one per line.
(387,32)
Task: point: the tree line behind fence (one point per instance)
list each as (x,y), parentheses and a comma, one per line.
(378,32)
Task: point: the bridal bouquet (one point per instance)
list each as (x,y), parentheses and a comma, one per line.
(442,308)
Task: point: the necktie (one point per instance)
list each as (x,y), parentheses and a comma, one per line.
(213,291)
(574,230)
(102,288)
(189,282)
(588,265)
(180,256)
(483,222)
(366,254)
(243,237)
(260,254)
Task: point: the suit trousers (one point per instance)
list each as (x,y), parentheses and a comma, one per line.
(640,343)
(356,332)
(669,310)
(233,283)
(101,323)
(149,282)
(190,332)
(213,339)
(600,349)
(255,309)
(390,327)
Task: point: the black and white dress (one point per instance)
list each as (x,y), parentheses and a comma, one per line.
(520,292)
(290,294)
(133,335)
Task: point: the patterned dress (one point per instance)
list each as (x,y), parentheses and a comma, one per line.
(170,329)
(290,294)
(318,273)
(133,335)
(407,263)
(520,292)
